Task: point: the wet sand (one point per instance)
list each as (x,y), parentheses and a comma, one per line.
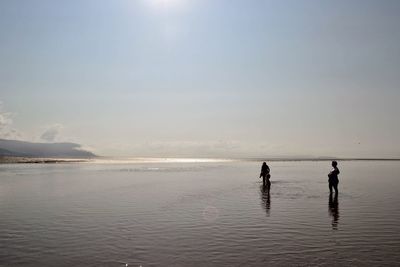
(199,214)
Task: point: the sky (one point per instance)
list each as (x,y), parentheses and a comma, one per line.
(203,78)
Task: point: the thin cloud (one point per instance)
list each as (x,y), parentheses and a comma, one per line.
(51,133)
(6,129)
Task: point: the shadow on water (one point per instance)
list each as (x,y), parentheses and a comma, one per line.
(265,198)
(334,210)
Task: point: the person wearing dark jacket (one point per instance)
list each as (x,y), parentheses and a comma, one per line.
(333,178)
(265,174)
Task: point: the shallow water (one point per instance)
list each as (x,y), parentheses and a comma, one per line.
(199,214)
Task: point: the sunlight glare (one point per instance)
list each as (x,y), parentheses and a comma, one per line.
(165,3)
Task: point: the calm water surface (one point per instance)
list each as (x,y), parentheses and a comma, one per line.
(199,214)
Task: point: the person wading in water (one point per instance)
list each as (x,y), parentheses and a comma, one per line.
(333,178)
(265,175)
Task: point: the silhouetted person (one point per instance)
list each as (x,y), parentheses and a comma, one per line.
(265,175)
(334,210)
(333,177)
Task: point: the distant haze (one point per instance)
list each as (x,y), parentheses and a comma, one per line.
(203,78)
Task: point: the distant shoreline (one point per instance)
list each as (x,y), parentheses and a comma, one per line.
(322,159)
(17,160)
(33,160)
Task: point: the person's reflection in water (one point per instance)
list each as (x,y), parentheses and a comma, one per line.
(334,210)
(266,198)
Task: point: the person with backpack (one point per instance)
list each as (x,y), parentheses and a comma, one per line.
(265,174)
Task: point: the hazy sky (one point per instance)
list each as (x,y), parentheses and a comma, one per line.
(203,78)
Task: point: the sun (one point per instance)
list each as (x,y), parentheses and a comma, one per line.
(165,3)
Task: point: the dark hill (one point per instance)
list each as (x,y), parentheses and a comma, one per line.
(14,148)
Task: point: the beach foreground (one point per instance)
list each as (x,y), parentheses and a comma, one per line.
(198,214)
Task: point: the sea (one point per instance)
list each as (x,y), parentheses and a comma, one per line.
(199,212)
